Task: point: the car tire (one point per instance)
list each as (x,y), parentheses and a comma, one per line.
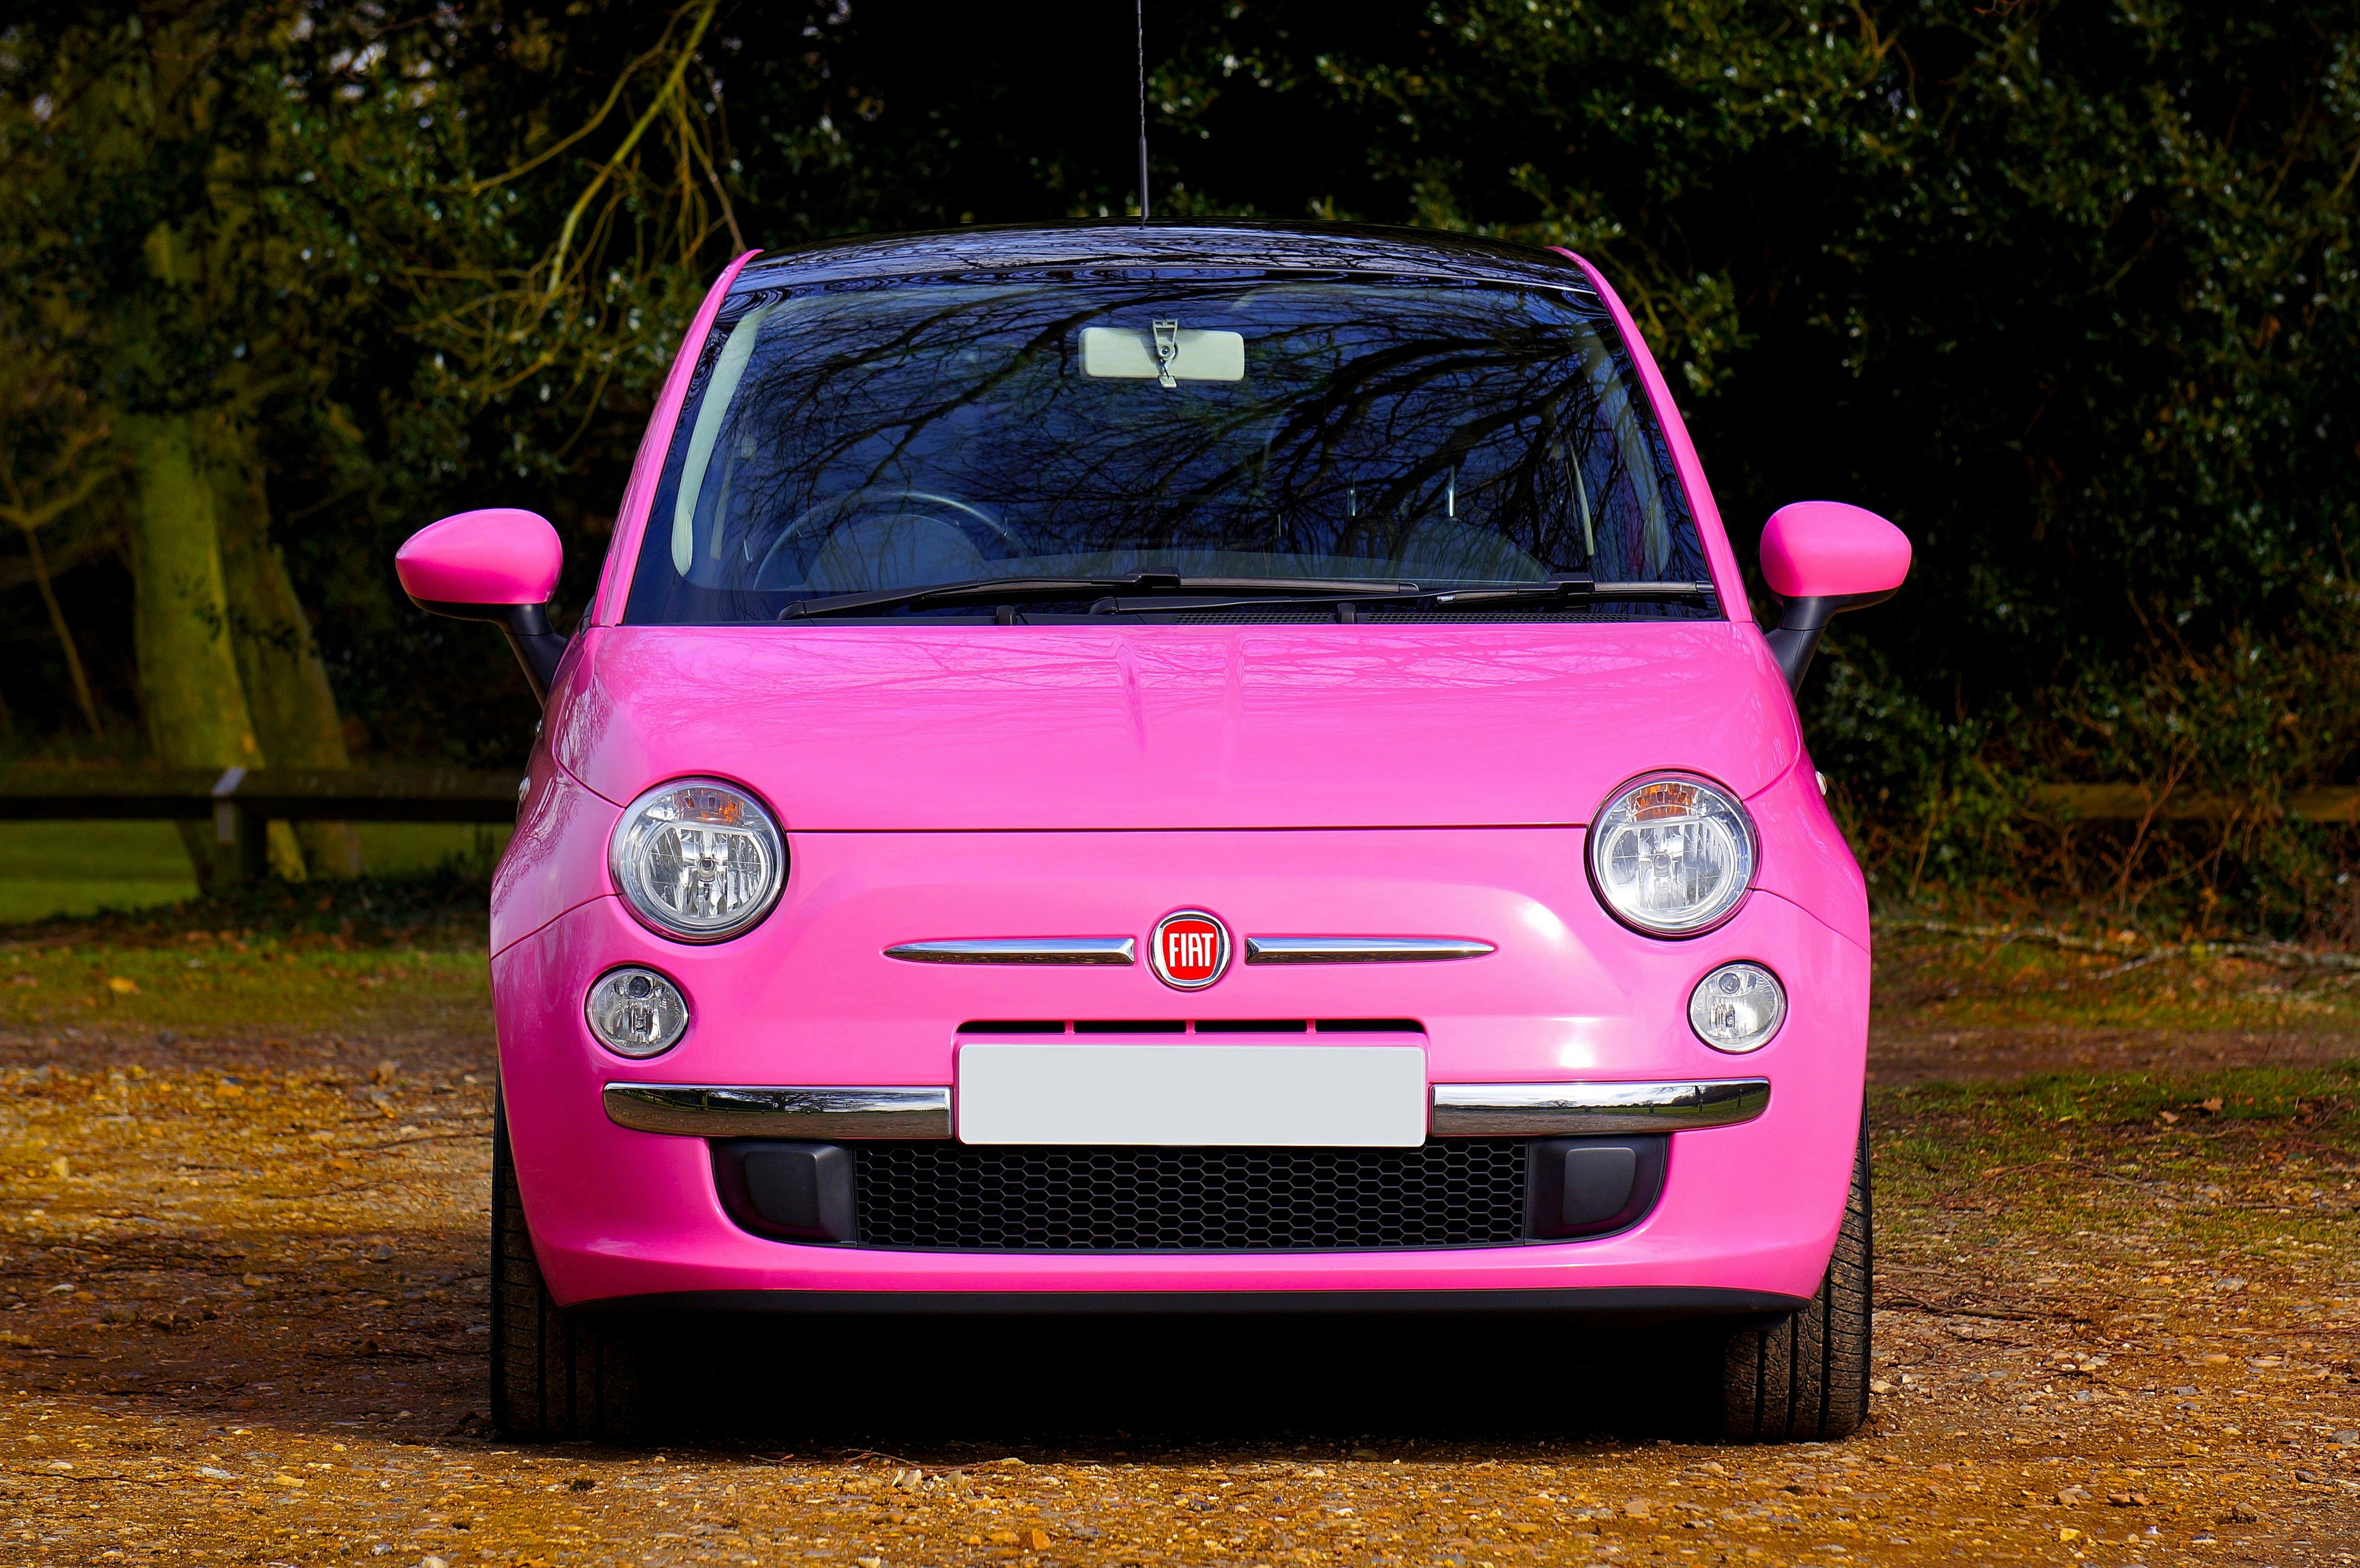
(1805,1379)
(555,1375)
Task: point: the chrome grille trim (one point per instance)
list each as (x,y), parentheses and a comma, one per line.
(1362,949)
(1036,950)
(1572,1110)
(694,1110)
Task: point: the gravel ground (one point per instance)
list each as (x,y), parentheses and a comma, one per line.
(242,1321)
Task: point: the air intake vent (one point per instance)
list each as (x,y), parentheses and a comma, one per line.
(953,1197)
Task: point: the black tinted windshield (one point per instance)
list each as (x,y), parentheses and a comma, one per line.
(872,436)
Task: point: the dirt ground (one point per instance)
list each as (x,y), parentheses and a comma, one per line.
(242,1186)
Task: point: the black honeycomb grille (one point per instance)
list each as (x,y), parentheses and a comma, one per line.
(955,1197)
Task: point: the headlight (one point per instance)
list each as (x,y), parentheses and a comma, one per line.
(1737,1007)
(636,1012)
(698,860)
(1672,855)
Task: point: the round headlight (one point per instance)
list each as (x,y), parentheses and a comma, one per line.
(698,860)
(1672,855)
(636,1012)
(1737,1007)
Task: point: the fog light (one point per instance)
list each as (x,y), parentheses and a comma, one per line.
(1737,1007)
(637,1012)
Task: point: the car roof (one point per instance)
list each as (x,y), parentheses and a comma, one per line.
(1163,246)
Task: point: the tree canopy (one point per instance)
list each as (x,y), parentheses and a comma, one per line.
(2066,289)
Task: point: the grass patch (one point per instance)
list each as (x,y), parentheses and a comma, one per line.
(208,986)
(2205,1177)
(1926,981)
(444,907)
(73,869)
(380,954)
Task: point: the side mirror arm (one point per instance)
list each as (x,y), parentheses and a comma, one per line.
(537,645)
(1797,636)
(498,565)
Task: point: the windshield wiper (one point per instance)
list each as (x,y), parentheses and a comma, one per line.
(1572,587)
(1556,589)
(1013,589)
(990,588)
(1167,592)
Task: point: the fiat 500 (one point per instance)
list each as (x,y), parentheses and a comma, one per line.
(1178,768)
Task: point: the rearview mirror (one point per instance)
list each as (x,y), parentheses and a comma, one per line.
(1164,353)
(1822,558)
(498,565)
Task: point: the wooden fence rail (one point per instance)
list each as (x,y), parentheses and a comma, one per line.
(2131,802)
(242,802)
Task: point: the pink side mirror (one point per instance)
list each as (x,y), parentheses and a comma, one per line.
(1822,558)
(498,565)
(497,556)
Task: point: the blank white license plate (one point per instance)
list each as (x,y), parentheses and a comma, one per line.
(1370,1096)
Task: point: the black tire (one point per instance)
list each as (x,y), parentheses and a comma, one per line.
(1806,1378)
(555,1376)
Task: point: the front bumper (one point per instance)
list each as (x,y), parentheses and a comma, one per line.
(1747,1215)
(830,1112)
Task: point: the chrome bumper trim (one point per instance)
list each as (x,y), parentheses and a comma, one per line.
(715,1111)
(1566,1110)
(1362,949)
(1461,1110)
(1042,950)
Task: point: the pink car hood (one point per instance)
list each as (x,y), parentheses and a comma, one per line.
(861,728)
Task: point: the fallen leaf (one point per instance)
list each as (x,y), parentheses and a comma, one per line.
(1037,1538)
(60,1167)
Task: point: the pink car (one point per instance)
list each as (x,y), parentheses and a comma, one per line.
(1191,768)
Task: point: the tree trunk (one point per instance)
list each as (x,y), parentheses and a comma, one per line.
(189,685)
(277,660)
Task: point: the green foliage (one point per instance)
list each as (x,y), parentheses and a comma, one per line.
(316,227)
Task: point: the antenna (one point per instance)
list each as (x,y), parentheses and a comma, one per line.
(1140,12)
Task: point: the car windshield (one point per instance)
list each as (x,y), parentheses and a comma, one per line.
(1239,428)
